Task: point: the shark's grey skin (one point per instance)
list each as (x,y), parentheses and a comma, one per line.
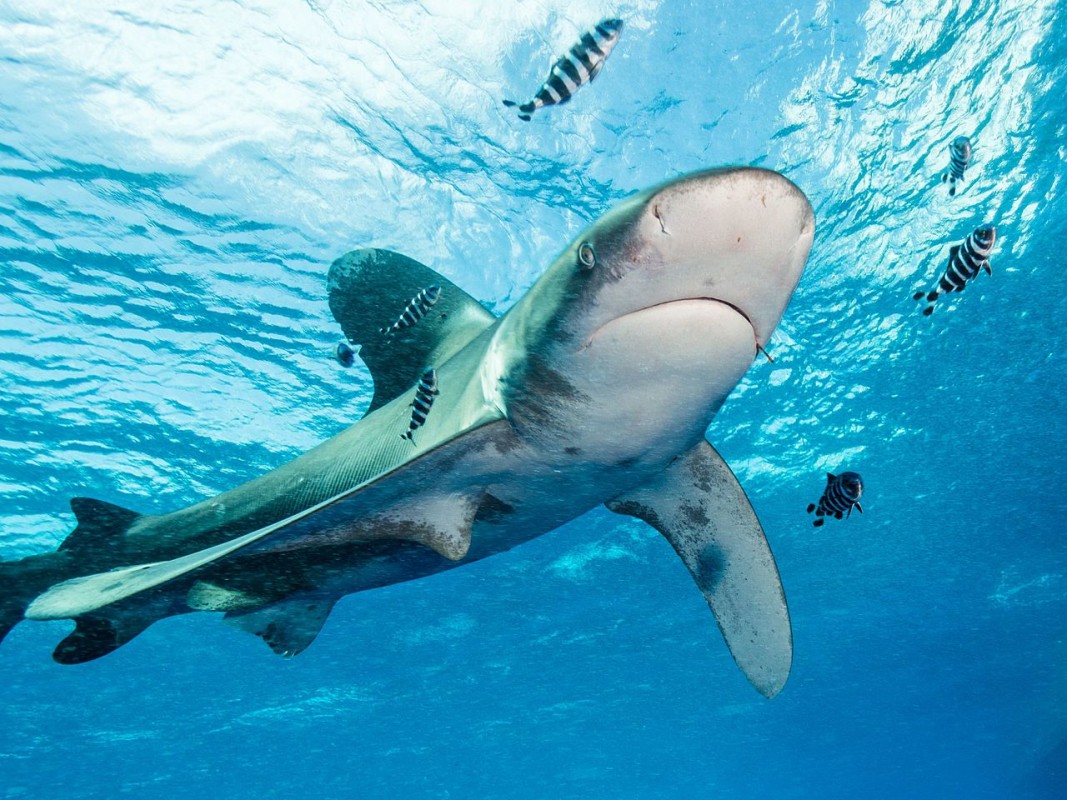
(596,387)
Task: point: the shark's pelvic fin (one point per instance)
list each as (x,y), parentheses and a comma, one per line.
(699,506)
(288,626)
(99,523)
(370,288)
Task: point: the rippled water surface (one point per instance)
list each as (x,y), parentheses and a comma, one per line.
(173,186)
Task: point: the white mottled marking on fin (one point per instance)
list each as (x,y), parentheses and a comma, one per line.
(204,596)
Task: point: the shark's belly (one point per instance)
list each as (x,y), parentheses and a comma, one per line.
(527,499)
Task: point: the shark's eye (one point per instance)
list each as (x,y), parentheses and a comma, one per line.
(586,255)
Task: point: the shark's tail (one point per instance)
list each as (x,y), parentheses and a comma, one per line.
(94,545)
(21,581)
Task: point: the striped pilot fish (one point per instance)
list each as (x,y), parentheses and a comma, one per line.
(965,261)
(841,495)
(414,311)
(959,153)
(425,393)
(578,67)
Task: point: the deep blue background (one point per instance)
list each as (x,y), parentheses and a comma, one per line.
(173,186)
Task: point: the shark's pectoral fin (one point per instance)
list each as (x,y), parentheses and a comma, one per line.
(699,506)
(369,290)
(288,626)
(79,596)
(390,506)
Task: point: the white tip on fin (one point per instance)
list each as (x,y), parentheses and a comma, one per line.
(204,596)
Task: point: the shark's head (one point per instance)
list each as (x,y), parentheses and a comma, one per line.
(659,307)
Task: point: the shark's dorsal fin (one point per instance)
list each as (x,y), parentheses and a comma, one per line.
(98,524)
(369,290)
(288,626)
(699,506)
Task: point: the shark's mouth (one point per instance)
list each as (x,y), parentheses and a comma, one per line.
(686,301)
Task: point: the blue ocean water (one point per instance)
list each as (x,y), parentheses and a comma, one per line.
(173,186)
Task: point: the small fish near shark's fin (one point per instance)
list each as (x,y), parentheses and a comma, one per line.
(701,509)
(369,288)
(288,626)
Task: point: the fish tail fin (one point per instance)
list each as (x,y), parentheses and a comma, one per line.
(525,110)
(21,581)
(97,635)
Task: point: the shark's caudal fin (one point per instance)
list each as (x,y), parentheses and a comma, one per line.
(699,506)
(23,580)
(90,546)
(96,635)
(370,288)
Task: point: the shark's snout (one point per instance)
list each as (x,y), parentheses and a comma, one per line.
(738,236)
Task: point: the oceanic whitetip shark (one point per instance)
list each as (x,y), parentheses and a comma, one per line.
(597,387)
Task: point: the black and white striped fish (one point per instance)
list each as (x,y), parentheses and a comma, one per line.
(425,393)
(964,263)
(414,311)
(841,495)
(578,67)
(959,153)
